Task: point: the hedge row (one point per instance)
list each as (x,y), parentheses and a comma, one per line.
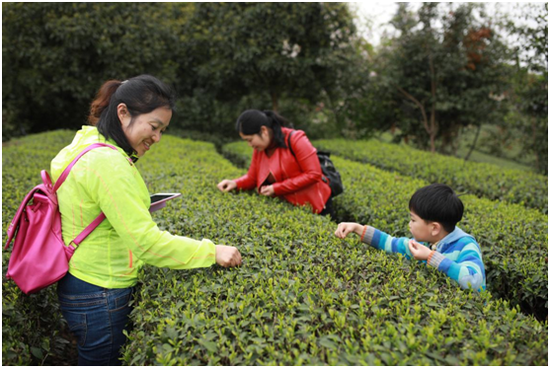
(33,332)
(302,296)
(513,238)
(485,180)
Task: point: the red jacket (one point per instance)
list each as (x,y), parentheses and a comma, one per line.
(297,179)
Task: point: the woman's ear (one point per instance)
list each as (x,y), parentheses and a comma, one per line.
(123,114)
(264,133)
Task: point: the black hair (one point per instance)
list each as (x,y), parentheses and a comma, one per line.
(141,94)
(438,203)
(251,122)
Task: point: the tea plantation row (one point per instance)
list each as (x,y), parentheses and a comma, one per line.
(301,297)
(33,332)
(513,238)
(486,180)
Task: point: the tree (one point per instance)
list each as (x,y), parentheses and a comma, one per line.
(56,55)
(221,58)
(443,72)
(531,83)
(272,48)
(263,55)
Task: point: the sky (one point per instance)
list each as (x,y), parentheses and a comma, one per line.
(374,16)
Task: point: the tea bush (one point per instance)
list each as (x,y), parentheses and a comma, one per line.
(302,296)
(486,180)
(513,238)
(33,332)
(239,153)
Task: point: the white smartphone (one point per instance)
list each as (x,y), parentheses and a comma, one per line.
(158,200)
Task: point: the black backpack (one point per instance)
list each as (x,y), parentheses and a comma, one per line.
(331,176)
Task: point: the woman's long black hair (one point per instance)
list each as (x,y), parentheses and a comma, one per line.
(141,94)
(251,122)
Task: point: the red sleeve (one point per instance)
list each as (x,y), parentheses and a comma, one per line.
(306,155)
(248,181)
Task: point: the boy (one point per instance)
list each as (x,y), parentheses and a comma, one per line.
(435,209)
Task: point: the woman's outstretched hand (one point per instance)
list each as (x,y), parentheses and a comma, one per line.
(267,190)
(227,185)
(227,256)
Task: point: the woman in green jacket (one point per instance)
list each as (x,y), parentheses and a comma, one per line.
(96,292)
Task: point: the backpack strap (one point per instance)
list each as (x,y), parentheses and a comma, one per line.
(99,219)
(67,170)
(288,143)
(323,176)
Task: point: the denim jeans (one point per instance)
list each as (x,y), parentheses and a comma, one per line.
(96,316)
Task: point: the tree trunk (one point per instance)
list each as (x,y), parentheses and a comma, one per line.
(534,136)
(433,123)
(455,138)
(429,126)
(336,115)
(473,143)
(432,142)
(274,101)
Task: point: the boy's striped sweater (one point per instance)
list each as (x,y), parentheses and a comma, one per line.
(457,255)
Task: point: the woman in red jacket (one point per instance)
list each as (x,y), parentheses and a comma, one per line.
(274,170)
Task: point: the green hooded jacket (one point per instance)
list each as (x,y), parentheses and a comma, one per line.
(105,180)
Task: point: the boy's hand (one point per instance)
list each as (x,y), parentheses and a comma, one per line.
(419,251)
(344,228)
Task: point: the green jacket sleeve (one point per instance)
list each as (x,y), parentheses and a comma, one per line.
(122,195)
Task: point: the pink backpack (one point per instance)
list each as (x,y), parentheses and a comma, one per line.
(39,257)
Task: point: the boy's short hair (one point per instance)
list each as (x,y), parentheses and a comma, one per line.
(437,203)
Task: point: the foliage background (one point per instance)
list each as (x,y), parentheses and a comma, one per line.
(441,83)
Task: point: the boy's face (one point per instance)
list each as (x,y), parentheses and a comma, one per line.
(422,230)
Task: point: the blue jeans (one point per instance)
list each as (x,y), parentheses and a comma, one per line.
(96,316)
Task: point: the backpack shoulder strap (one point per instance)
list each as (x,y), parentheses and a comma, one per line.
(76,241)
(288,143)
(67,170)
(99,219)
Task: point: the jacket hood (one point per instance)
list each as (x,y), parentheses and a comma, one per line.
(456,234)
